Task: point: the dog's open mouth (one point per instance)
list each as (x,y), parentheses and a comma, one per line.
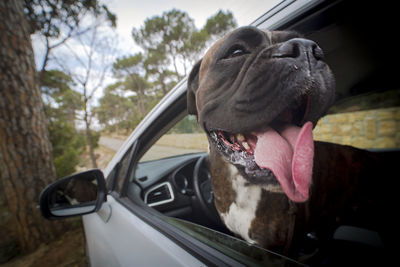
(280,152)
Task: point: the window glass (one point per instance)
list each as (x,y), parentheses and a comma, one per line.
(235,248)
(184,138)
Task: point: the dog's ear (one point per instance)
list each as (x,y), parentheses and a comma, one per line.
(192,86)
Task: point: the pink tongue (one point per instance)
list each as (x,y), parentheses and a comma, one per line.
(289,155)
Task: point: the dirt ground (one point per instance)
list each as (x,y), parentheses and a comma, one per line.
(67,251)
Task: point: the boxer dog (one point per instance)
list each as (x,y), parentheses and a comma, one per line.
(258,95)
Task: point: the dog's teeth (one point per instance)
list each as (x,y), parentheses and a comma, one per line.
(240,137)
(245,145)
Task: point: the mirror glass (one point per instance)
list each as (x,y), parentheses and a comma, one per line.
(74,195)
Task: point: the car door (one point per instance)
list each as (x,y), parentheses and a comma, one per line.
(115,236)
(125,233)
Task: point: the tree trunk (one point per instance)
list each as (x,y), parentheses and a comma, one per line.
(141,96)
(89,132)
(90,143)
(26,164)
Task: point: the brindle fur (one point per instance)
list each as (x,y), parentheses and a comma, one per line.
(346,183)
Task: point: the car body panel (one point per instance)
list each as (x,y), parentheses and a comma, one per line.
(126,240)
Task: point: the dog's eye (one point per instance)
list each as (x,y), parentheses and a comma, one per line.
(235,51)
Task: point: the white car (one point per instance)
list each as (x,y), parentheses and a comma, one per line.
(155,205)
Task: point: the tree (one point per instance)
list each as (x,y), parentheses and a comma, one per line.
(157,71)
(216,26)
(166,34)
(26,164)
(219,24)
(171,44)
(57,21)
(172,39)
(61,106)
(132,71)
(61,102)
(116,111)
(88,69)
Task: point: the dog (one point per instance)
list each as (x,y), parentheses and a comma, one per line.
(258,95)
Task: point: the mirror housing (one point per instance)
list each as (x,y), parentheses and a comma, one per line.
(75,195)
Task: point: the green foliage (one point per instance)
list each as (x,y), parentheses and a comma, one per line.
(116,111)
(67,146)
(52,17)
(128,65)
(164,37)
(61,102)
(171,43)
(95,138)
(56,82)
(130,71)
(220,23)
(61,105)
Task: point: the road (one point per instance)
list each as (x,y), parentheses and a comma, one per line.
(155,152)
(111,143)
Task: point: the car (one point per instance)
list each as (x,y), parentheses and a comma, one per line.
(153,205)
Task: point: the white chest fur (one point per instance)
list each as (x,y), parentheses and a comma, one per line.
(242,212)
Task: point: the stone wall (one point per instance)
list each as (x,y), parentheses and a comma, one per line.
(378,128)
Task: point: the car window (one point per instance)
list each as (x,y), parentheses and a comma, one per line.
(184,138)
(235,248)
(177,152)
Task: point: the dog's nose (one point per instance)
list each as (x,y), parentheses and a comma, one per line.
(299,47)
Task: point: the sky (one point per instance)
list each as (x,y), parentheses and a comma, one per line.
(132,13)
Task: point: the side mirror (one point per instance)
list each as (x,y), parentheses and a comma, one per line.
(79,194)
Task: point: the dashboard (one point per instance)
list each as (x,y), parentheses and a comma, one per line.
(168,186)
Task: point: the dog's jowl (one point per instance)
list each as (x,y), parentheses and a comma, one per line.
(258,95)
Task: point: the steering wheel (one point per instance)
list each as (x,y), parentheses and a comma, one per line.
(203,190)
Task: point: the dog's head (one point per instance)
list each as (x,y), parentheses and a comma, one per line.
(258,95)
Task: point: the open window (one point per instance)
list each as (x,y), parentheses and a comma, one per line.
(168,185)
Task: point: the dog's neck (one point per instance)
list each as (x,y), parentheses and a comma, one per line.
(242,211)
(249,210)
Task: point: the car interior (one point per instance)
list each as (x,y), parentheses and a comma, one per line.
(360,51)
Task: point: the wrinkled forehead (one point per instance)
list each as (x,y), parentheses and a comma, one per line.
(248,37)
(245,36)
